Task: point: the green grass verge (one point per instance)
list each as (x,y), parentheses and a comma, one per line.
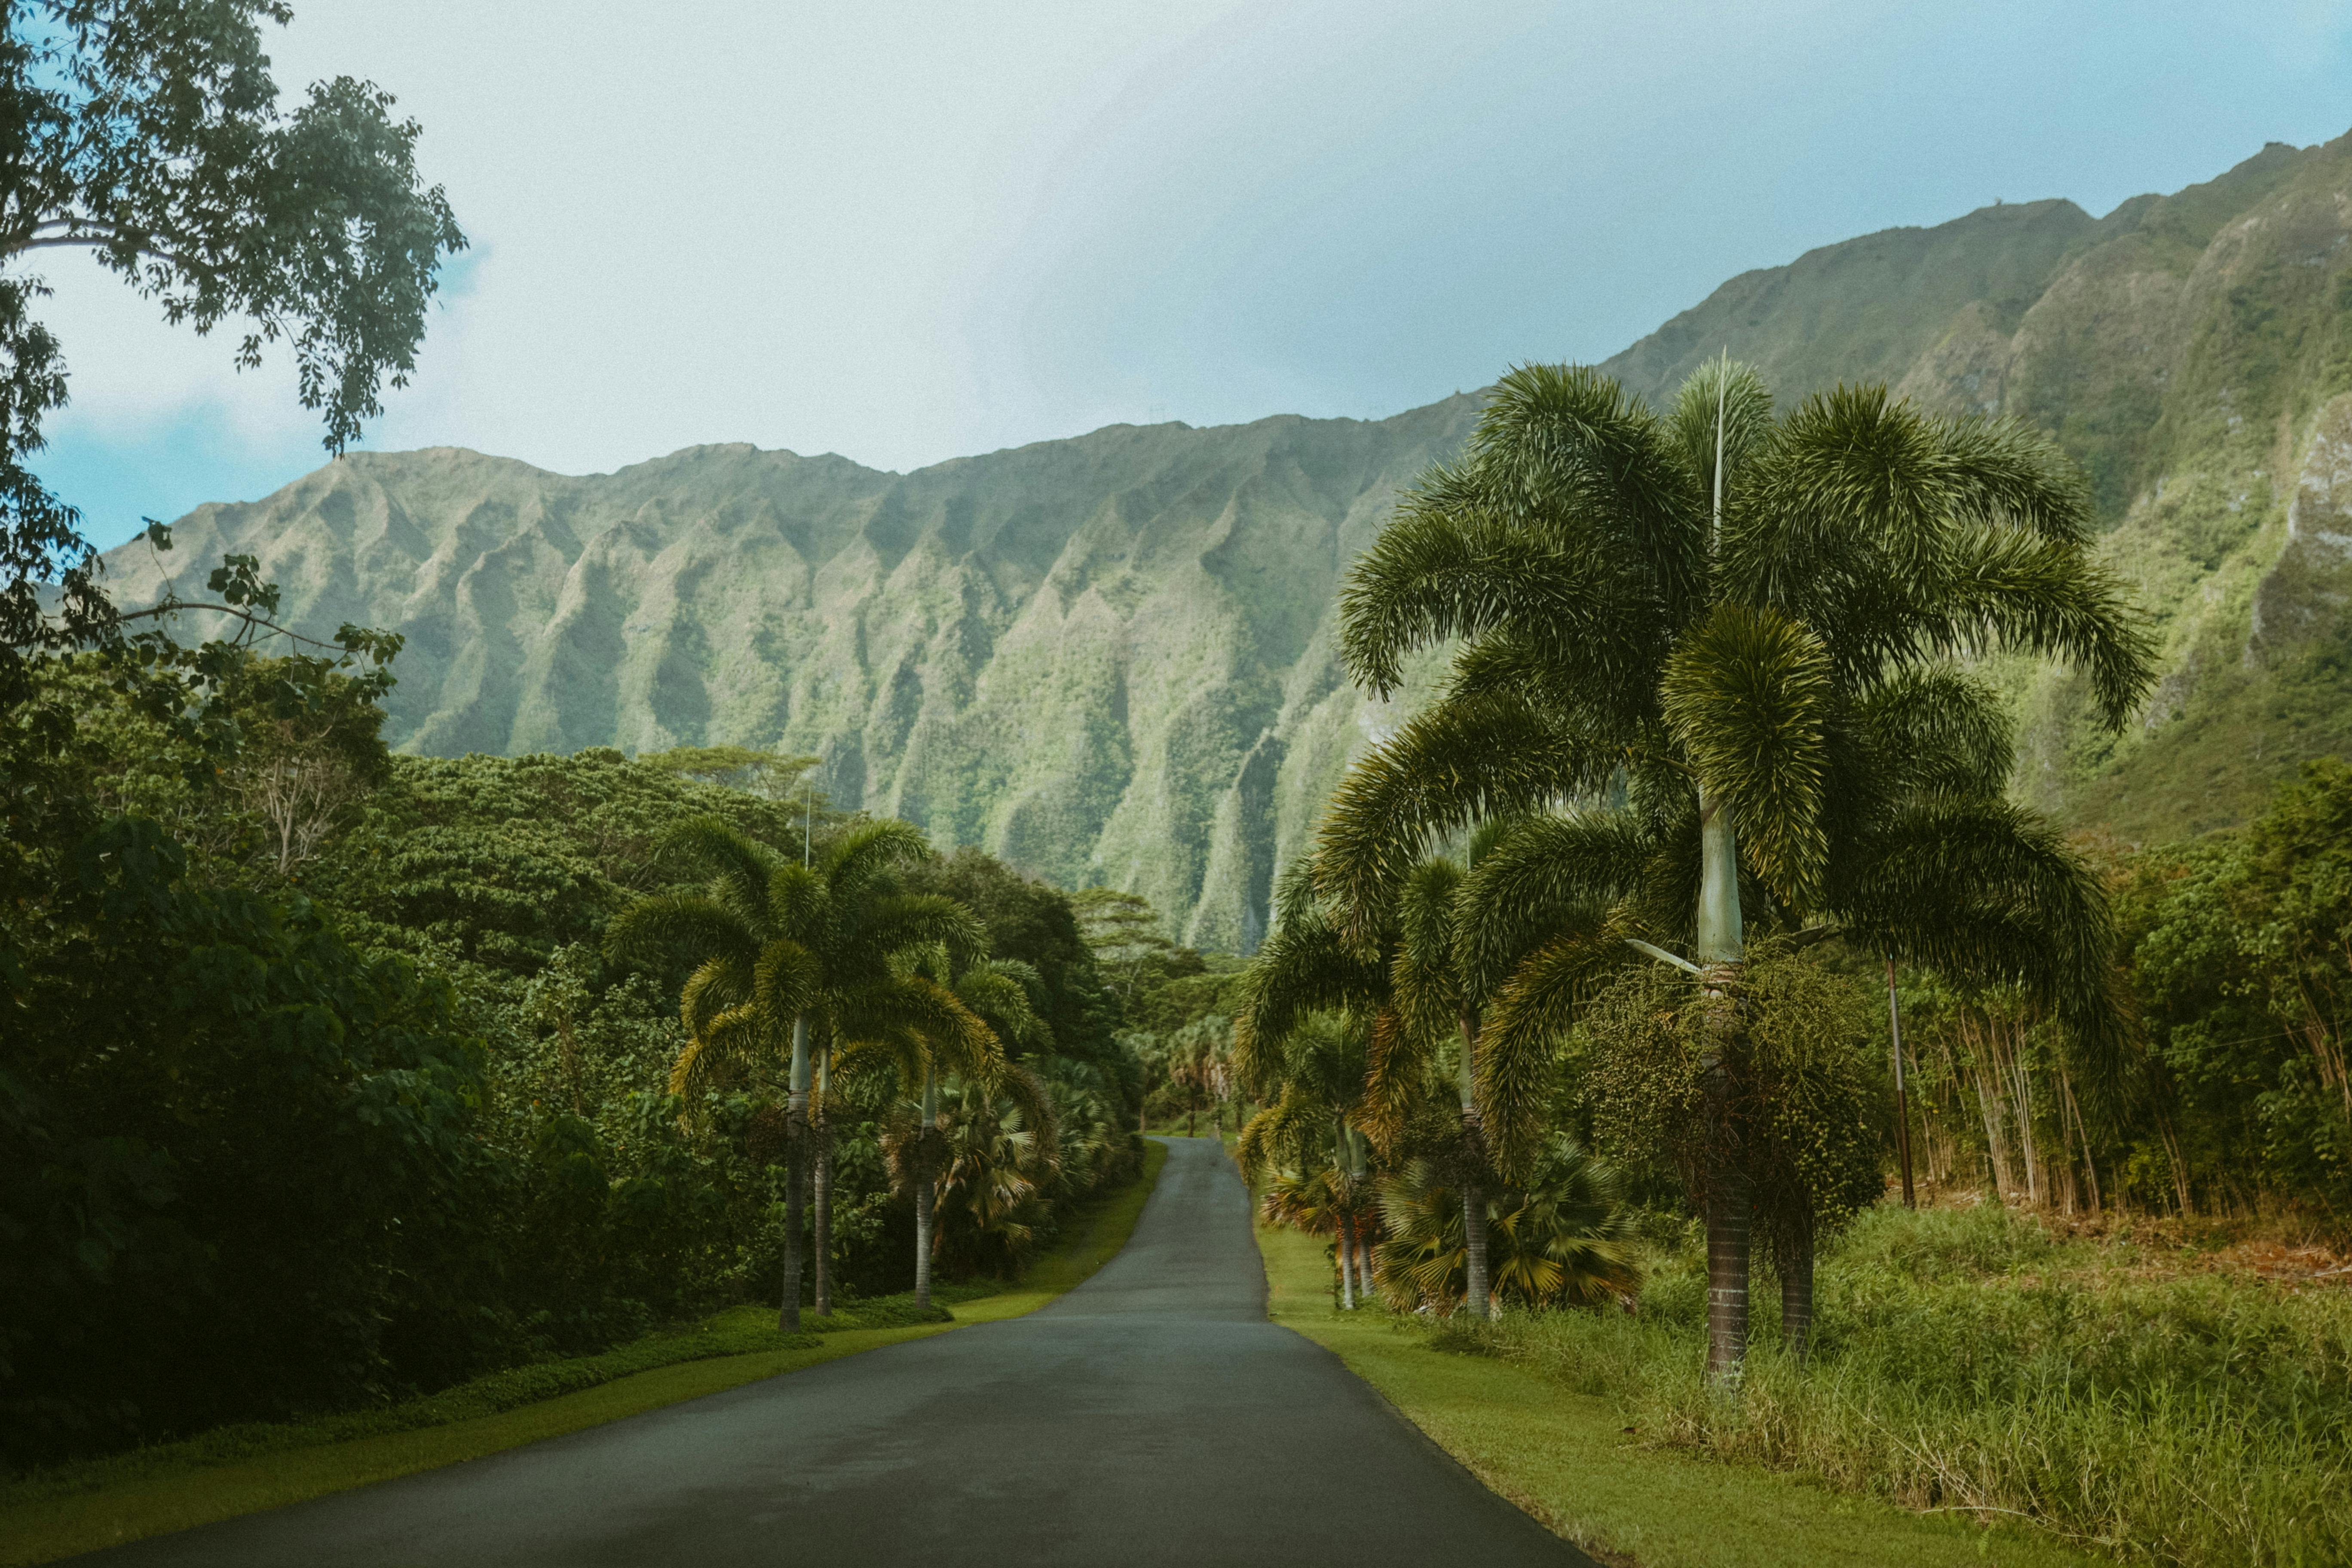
(245,1469)
(1566,1458)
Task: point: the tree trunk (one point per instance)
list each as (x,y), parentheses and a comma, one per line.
(1727,1213)
(1346,1264)
(822,1244)
(1477,1291)
(1477,1287)
(795,1217)
(1797,1299)
(1364,1263)
(796,1142)
(923,1242)
(924,1191)
(1728,1203)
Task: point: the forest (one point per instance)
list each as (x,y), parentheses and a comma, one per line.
(326,1087)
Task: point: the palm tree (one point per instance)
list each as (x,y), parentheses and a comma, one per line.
(958,1050)
(1416,1000)
(998,1151)
(786,956)
(1560,1240)
(1715,657)
(1310,1071)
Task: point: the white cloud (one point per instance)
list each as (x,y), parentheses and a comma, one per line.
(904,230)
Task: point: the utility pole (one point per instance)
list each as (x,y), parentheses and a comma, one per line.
(1902,1100)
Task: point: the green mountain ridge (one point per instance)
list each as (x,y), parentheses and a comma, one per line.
(1110,658)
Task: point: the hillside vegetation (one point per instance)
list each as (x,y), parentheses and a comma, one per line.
(1110,659)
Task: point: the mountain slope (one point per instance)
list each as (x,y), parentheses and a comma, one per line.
(1107,658)
(1110,658)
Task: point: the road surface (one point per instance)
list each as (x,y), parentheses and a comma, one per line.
(1151,1415)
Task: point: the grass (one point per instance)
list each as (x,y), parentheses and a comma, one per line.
(1571,1461)
(1971,1362)
(245,1469)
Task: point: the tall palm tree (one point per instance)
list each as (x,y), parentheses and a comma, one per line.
(1416,998)
(785,954)
(1716,658)
(958,1051)
(1309,1071)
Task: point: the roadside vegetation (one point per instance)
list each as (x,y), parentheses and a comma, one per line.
(74,1508)
(1574,1029)
(334,1080)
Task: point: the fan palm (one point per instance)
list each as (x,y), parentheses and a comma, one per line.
(1560,1241)
(994,1150)
(1715,657)
(790,958)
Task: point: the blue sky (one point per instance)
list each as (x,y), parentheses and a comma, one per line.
(905,232)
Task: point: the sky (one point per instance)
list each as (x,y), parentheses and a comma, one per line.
(906,232)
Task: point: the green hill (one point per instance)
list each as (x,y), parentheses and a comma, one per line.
(1110,658)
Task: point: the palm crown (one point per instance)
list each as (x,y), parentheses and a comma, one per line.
(1711,672)
(1722,621)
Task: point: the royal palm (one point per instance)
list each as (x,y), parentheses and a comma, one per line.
(1717,658)
(794,957)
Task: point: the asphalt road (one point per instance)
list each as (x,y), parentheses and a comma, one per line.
(1151,1415)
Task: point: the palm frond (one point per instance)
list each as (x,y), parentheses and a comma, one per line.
(1495,757)
(1518,1050)
(894,920)
(692,926)
(1749,695)
(1550,874)
(1986,893)
(731,1044)
(867,853)
(1735,393)
(2003,589)
(716,984)
(787,980)
(1936,730)
(738,867)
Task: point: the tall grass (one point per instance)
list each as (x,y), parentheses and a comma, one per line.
(1968,1362)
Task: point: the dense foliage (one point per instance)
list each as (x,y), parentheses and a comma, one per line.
(382,1115)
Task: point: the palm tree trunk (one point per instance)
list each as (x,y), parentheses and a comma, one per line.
(923,1242)
(788,1318)
(1797,1297)
(1729,1194)
(822,1244)
(1476,1288)
(1346,1263)
(795,1176)
(1728,1209)
(925,1192)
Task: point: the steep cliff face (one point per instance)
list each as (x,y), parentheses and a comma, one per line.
(1112,658)
(2193,352)
(1106,659)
